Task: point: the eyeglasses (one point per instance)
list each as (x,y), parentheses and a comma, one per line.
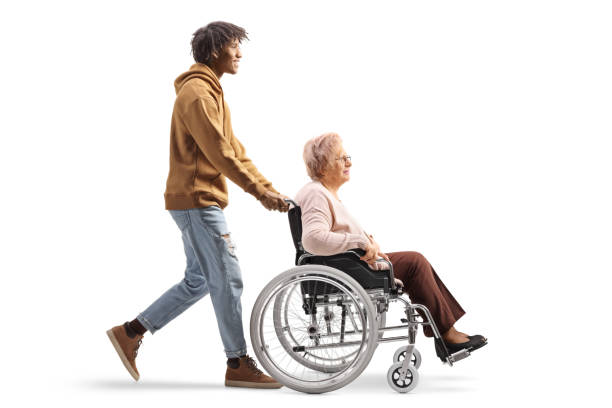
(345,158)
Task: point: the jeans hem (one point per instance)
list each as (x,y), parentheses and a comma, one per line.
(234,354)
(147,324)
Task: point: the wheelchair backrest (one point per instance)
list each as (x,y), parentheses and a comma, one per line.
(295,223)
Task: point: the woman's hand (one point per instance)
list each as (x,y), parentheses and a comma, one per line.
(373,252)
(370,254)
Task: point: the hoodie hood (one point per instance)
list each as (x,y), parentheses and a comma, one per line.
(202,72)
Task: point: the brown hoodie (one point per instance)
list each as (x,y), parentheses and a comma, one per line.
(203,148)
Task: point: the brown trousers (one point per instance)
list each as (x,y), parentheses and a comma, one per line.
(424,286)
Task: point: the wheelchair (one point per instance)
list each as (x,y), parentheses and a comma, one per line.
(315,327)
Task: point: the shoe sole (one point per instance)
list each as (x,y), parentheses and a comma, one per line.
(248,384)
(122,355)
(484,343)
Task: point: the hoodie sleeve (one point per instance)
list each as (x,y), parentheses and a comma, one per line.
(246,162)
(206,127)
(317,219)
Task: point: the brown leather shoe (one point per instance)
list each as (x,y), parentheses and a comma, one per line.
(127,347)
(248,375)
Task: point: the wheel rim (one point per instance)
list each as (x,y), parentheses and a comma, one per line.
(321,359)
(402,357)
(399,382)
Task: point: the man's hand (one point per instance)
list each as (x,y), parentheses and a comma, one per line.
(274,201)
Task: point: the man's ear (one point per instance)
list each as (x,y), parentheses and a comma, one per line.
(215,54)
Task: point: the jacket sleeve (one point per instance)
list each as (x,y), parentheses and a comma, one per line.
(317,221)
(206,127)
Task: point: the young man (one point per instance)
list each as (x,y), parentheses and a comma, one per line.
(203,152)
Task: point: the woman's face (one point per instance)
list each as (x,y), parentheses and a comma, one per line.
(339,171)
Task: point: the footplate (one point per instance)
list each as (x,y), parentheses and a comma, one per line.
(446,357)
(458,356)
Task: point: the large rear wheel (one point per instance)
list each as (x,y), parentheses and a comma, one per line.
(314,328)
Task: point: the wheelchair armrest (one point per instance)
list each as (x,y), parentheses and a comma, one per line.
(350,262)
(355,255)
(360,252)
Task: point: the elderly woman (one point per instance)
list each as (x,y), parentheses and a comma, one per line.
(328,228)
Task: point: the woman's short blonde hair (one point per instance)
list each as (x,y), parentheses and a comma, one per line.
(319,153)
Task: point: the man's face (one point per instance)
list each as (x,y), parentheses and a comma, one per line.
(229,58)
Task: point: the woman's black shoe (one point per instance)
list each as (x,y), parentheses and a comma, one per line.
(450,347)
(474,343)
(478,341)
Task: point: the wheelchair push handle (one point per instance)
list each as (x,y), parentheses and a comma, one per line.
(290,201)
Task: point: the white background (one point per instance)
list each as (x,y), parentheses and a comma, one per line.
(479,133)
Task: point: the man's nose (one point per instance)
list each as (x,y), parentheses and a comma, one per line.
(238,53)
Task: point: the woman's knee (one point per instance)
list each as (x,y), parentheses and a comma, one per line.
(421,264)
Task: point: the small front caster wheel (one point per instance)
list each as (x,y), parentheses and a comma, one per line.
(400,355)
(402,383)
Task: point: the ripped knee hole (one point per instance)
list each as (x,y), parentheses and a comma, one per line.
(231,247)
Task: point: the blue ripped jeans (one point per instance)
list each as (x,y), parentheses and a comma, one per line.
(212,267)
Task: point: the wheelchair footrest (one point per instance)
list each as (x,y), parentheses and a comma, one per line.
(446,356)
(459,355)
